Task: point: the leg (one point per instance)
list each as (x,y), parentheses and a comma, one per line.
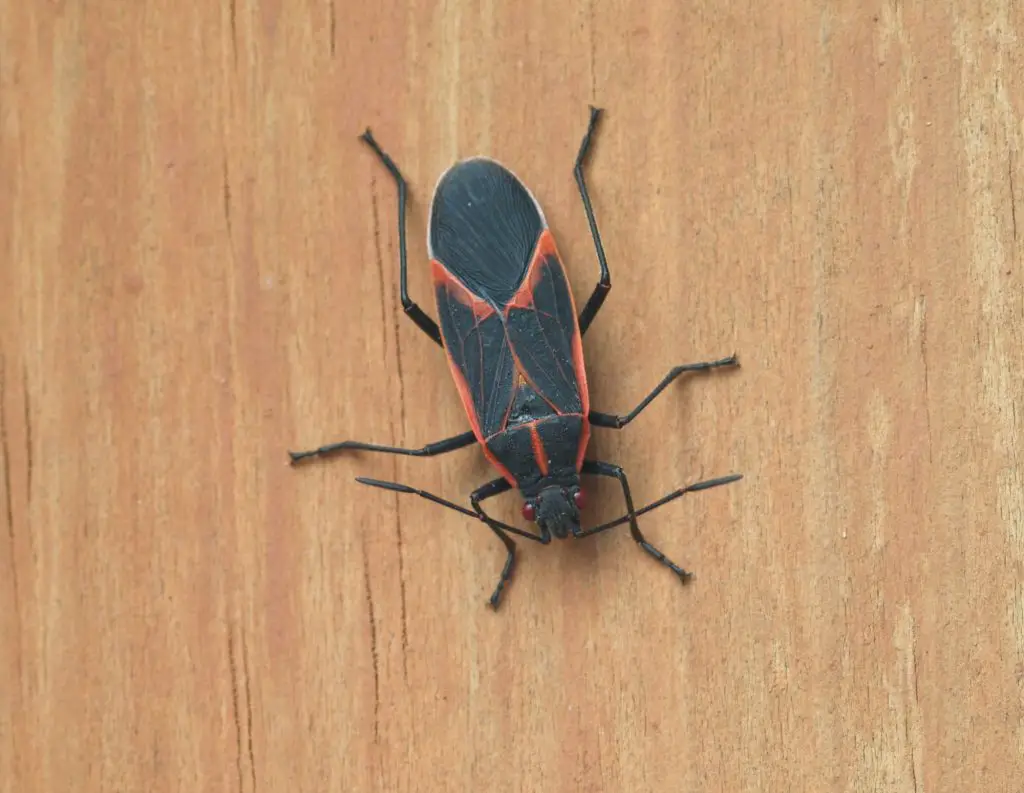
(617,422)
(430,450)
(605,283)
(494,488)
(607,469)
(425,323)
(488,490)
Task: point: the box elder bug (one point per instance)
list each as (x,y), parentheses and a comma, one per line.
(513,339)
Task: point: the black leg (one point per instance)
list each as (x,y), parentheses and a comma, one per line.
(607,469)
(605,283)
(416,314)
(617,422)
(430,450)
(495,488)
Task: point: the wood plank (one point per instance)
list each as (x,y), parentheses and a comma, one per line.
(200,272)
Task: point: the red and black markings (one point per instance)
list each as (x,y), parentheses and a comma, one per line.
(513,339)
(518,362)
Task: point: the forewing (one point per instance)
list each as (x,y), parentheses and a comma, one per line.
(484,225)
(479,356)
(544,334)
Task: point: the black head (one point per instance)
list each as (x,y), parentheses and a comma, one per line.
(556,509)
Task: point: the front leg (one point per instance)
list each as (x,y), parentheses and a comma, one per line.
(596,468)
(613,421)
(489,490)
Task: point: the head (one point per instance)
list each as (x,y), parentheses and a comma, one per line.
(556,509)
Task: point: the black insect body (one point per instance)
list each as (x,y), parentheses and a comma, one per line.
(513,339)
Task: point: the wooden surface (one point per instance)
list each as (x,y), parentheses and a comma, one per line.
(200,272)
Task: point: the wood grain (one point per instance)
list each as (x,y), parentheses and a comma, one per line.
(200,272)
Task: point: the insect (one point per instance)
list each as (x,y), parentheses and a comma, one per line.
(513,339)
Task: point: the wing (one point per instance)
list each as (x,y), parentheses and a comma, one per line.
(478,353)
(505,308)
(502,361)
(484,225)
(544,334)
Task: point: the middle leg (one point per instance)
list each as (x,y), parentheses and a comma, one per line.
(430,450)
(613,421)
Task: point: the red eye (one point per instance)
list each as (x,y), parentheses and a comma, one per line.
(580,498)
(529,512)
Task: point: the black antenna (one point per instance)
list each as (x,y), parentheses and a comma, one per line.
(400,488)
(705,485)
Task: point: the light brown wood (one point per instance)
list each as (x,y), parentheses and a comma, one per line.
(200,272)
